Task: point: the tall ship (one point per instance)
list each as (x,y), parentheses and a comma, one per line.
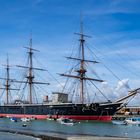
(60,105)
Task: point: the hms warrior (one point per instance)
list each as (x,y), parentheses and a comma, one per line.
(60,106)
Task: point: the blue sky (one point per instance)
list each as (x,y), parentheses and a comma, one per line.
(113,24)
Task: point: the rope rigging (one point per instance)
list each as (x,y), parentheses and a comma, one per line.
(114,62)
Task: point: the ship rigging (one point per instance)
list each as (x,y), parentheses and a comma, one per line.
(60,106)
(82,70)
(30,75)
(8,81)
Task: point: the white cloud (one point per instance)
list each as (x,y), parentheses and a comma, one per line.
(123,84)
(121,89)
(113,93)
(108,91)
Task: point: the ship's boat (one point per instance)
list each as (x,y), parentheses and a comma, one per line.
(13,119)
(133,120)
(25,119)
(60,106)
(69,122)
(117,122)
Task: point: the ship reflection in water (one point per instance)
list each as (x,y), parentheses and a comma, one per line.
(87,128)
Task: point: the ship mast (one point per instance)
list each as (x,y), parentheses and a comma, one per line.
(30,68)
(7,81)
(30,77)
(82,71)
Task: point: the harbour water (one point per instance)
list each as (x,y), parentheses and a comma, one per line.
(83,128)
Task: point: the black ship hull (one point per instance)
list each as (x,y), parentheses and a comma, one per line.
(93,111)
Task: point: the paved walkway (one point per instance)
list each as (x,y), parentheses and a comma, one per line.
(30,135)
(97,138)
(11,136)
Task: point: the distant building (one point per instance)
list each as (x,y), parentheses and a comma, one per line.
(135,110)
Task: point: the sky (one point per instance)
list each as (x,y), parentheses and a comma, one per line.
(114,27)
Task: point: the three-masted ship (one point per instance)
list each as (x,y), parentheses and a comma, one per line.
(60,106)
